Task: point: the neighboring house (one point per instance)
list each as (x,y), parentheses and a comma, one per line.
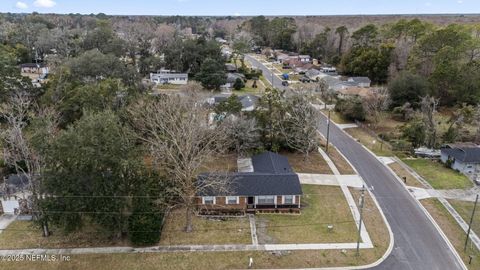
(168,77)
(360,81)
(271,186)
(14,191)
(351,92)
(231,68)
(231,78)
(249,102)
(306,59)
(282,57)
(329,70)
(464,158)
(33,68)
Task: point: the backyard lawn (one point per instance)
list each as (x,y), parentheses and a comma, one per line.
(222,163)
(321,206)
(465,210)
(453,231)
(438,175)
(370,142)
(206,231)
(313,164)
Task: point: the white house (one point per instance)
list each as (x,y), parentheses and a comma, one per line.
(169,77)
(464,158)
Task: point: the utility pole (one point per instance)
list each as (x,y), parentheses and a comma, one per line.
(470,224)
(328,132)
(362,202)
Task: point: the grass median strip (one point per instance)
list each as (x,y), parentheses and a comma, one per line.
(453,231)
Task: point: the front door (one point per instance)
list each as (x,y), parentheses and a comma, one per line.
(251,200)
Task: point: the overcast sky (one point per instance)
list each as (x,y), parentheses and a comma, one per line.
(242,7)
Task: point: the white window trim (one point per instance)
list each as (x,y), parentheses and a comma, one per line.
(214,199)
(293,199)
(237,200)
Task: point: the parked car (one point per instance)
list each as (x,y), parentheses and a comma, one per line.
(305,79)
(285,83)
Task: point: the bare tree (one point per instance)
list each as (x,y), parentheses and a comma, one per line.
(299,128)
(243,132)
(376,104)
(175,130)
(429,109)
(19,152)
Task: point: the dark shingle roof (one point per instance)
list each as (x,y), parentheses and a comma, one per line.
(269,162)
(272,176)
(248,100)
(258,184)
(464,154)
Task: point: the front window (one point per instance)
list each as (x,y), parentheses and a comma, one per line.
(208,200)
(288,199)
(266,199)
(232,200)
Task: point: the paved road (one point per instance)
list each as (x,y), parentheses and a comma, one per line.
(267,73)
(418,245)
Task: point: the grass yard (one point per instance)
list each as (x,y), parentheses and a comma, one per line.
(453,231)
(314,164)
(342,165)
(321,206)
(438,175)
(465,210)
(22,234)
(202,261)
(370,142)
(222,163)
(374,223)
(401,172)
(205,231)
(337,117)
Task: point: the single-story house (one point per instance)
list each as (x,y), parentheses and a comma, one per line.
(305,59)
(464,158)
(231,78)
(360,81)
(271,186)
(231,68)
(281,57)
(249,102)
(34,68)
(329,70)
(13,192)
(168,77)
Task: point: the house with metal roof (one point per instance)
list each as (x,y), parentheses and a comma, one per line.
(272,185)
(464,158)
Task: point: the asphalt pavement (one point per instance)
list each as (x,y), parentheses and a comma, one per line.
(418,245)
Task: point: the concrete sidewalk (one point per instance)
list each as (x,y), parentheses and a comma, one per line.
(331,180)
(185,248)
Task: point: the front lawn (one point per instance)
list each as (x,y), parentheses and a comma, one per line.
(206,231)
(438,175)
(454,232)
(313,164)
(321,206)
(22,234)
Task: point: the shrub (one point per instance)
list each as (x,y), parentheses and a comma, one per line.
(239,84)
(145,223)
(351,108)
